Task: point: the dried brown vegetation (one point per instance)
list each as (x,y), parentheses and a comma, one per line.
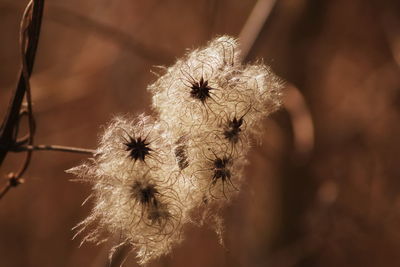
(335,205)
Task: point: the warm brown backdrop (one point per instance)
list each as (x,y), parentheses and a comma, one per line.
(338,207)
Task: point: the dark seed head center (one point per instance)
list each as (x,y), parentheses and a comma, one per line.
(221,170)
(233,129)
(145,194)
(138,148)
(200,90)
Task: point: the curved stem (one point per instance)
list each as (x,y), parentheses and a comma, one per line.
(29,37)
(24,41)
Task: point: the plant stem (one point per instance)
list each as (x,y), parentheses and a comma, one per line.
(54,148)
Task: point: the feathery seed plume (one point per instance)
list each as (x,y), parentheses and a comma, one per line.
(152,175)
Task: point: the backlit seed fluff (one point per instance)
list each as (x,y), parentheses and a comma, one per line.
(133,197)
(151,176)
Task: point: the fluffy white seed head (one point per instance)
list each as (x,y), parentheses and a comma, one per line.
(132,189)
(151,176)
(209,86)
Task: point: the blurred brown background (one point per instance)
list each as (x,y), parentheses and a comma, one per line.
(337,206)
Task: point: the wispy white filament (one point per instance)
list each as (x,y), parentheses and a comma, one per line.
(153,175)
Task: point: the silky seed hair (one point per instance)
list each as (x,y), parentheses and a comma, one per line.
(193,87)
(133,199)
(117,152)
(152,175)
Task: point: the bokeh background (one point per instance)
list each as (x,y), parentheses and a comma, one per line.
(336,203)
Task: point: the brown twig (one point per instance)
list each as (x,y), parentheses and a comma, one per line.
(294,102)
(29,38)
(54,148)
(5,189)
(13,181)
(11,121)
(25,24)
(254,25)
(302,123)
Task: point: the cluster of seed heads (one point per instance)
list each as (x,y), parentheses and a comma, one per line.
(152,175)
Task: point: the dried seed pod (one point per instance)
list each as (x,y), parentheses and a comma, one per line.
(181,153)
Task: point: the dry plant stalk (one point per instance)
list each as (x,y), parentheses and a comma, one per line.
(152,175)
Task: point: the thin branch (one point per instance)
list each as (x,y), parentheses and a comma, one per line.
(54,148)
(24,40)
(254,25)
(294,101)
(29,37)
(4,190)
(302,123)
(13,181)
(11,120)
